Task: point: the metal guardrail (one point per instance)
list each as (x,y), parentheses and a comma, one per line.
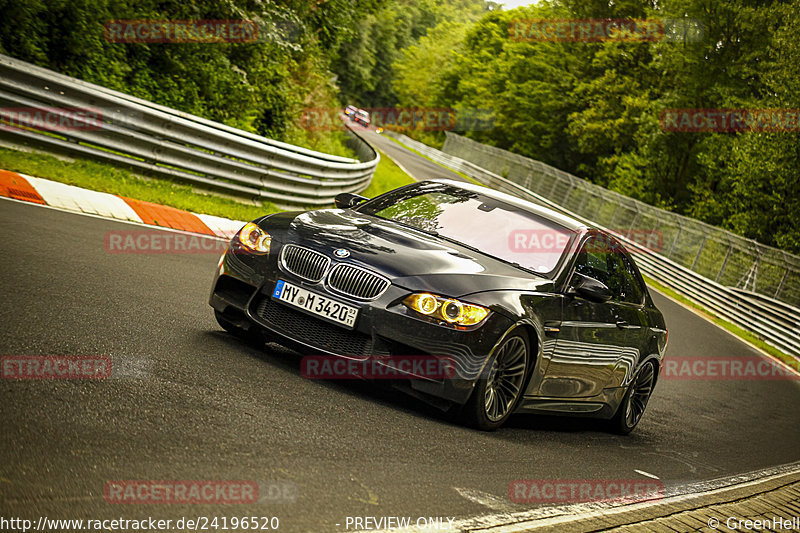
(158,141)
(777,323)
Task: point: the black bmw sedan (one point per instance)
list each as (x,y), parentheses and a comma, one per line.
(535,311)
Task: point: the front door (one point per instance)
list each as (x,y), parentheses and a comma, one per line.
(594,341)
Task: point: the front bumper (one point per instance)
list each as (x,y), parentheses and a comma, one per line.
(385,328)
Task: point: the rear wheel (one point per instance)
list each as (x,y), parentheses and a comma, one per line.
(498,392)
(635,401)
(250,335)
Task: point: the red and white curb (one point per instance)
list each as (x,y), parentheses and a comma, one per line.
(71,198)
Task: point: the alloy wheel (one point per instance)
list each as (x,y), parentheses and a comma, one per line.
(505,379)
(642,387)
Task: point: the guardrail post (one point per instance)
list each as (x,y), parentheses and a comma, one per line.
(599,207)
(583,201)
(783,279)
(614,216)
(567,195)
(633,223)
(725,261)
(700,251)
(555,184)
(677,238)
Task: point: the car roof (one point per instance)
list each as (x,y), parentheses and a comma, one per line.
(544,212)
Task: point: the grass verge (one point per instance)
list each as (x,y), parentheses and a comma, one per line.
(106,178)
(387,176)
(736,330)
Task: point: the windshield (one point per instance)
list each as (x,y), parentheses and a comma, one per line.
(490,226)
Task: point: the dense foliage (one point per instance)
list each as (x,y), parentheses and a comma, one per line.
(366,63)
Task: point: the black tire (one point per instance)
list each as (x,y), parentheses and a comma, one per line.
(499,390)
(251,335)
(631,409)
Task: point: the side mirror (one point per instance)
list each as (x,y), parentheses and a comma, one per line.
(590,288)
(346,200)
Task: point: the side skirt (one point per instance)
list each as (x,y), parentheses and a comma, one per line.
(601,406)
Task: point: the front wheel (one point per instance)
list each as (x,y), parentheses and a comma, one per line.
(635,401)
(499,390)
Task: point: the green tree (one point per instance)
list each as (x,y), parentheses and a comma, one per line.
(365,64)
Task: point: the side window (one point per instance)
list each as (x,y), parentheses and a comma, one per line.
(607,262)
(625,284)
(637,289)
(616,276)
(592,260)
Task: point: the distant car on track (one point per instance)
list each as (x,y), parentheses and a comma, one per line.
(538,312)
(362,117)
(350,110)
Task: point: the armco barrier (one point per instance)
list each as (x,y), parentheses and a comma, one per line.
(155,140)
(776,322)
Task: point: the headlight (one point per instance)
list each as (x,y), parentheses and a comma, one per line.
(254,238)
(447,309)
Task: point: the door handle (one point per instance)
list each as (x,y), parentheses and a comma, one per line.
(623,324)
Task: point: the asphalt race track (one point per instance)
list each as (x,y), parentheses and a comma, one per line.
(418,167)
(192,403)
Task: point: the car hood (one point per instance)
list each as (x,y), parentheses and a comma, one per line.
(411,259)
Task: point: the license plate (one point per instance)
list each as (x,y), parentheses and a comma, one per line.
(315,303)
